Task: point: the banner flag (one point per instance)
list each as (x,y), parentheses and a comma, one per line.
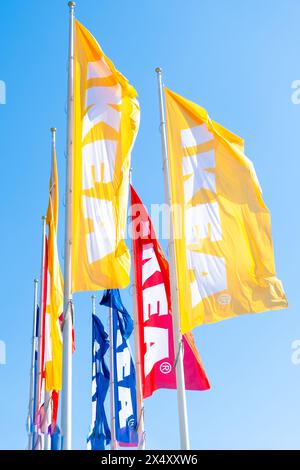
(222,234)
(105,126)
(155,314)
(54,303)
(100,432)
(46,403)
(31,420)
(124,371)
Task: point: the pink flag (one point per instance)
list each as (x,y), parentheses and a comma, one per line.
(154,312)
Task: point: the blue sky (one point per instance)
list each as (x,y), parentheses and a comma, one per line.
(237,59)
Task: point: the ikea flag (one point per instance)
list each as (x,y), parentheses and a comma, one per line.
(223,244)
(124,371)
(100,432)
(106,122)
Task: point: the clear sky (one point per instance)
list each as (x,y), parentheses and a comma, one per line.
(237,59)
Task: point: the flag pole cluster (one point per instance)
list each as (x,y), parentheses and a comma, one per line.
(33,369)
(221,260)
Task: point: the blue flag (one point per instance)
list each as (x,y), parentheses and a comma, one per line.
(100,432)
(124,371)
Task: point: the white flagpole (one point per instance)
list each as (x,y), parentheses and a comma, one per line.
(33,368)
(39,390)
(66,411)
(53,146)
(48,395)
(48,419)
(139,392)
(178,344)
(113,442)
(93,304)
(93,382)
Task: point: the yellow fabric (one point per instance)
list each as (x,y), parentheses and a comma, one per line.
(54,308)
(224,257)
(100,119)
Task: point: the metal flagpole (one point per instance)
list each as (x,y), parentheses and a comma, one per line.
(93,304)
(178,344)
(48,419)
(139,392)
(48,395)
(53,144)
(39,392)
(93,382)
(33,366)
(113,443)
(66,411)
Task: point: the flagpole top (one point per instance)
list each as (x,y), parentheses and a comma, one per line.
(36,281)
(71,4)
(44,218)
(158,70)
(53,130)
(93,297)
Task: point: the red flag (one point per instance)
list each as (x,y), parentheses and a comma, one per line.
(154,312)
(55,399)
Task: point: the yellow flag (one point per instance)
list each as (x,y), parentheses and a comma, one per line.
(223,244)
(105,127)
(54,302)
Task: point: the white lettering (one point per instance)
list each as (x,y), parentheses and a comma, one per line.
(195,167)
(195,136)
(126,410)
(123,364)
(102,237)
(99,101)
(154,301)
(157,347)
(203,221)
(98,69)
(151,266)
(210,273)
(99,155)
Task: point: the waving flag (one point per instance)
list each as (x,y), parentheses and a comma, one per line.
(50,350)
(100,432)
(223,242)
(124,371)
(54,308)
(155,314)
(105,127)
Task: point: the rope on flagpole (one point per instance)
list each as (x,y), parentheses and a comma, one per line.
(180,349)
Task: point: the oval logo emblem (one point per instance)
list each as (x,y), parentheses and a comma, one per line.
(131,423)
(224,299)
(165,367)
